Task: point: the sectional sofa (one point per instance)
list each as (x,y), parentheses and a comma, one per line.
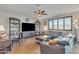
(64,46)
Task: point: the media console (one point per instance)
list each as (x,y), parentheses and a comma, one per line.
(27,34)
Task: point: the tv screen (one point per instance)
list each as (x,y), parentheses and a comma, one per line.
(28,27)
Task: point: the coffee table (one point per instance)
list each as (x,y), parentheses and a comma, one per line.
(42,38)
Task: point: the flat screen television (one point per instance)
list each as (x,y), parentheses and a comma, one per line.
(28,27)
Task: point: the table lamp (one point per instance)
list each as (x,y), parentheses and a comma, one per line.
(2,28)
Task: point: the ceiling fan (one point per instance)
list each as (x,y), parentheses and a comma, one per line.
(39,12)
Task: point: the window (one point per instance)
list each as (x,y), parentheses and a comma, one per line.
(61,24)
(68,23)
(55,24)
(50,24)
(64,23)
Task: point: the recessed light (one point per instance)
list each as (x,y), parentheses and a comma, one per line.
(75,20)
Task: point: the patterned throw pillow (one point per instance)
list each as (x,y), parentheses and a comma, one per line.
(53,42)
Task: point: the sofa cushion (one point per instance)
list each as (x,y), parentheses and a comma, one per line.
(50,37)
(57,33)
(63,43)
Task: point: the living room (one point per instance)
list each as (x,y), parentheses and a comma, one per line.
(39,29)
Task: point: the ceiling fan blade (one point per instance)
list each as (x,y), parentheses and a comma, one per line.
(39,11)
(44,14)
(42,11)
(34,11)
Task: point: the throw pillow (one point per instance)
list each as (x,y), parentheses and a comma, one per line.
(53,42)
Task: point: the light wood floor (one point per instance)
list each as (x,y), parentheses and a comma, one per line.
(28,46)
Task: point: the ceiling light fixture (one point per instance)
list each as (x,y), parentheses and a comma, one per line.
(40,12)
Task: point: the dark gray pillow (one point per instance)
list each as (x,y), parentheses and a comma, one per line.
(63,43)
(57,33)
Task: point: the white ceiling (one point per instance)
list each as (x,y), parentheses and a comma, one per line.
(51,9)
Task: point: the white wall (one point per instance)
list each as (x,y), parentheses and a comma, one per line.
(75,15)
(4,19)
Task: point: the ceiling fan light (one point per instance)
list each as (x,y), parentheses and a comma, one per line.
(39,14)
